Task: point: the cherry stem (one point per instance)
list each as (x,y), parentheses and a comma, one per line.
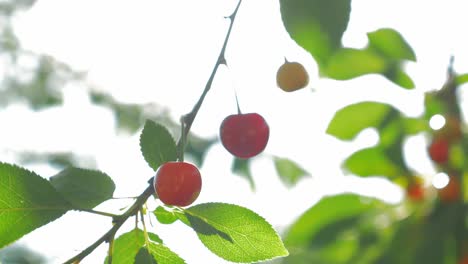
(187,121)
(237,103)
(188,118)
(182,140)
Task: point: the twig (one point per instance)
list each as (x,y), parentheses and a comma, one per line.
(97,212)
(118,222)
(188,121)
(188,118)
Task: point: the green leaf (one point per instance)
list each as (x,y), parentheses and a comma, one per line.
(371,162)
(290,172)
(234,233)
(461,79)
(27,201)
(316,25)
(242,168)
(327,211)
(164,216)
(163,255)
(83,188)
(352,119)
(399,77)
(391,44)
(157,145)
(144,257)
(128,246)
(349,63)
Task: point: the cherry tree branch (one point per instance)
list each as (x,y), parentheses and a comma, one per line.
(187,124)
(188,118)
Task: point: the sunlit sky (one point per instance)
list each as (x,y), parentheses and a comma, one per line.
(163,51)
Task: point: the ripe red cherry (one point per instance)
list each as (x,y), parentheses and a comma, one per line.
(244,135)
(439,150)
(177,183)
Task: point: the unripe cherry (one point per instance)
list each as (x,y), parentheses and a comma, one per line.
(291,76)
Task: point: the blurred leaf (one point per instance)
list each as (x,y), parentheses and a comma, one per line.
(316,25)
(61,160)
(290,172)
(27,201)
(399,77)
(127,246)
(371,162)
(83,188)
(415,126)
(328,234)
(242,168)
(197,148)
(403,242)
(338,252)
(457,156)
(352,119)
(461,79)
(8,7)
(433,105)
(157,145)
(129,117)
(9,42)
(327,211)
(349,63)
(390,129)
(164,216)
(423,240)
(234,233)
(19,254)
(391,44)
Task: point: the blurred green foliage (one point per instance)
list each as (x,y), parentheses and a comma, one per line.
(20,254)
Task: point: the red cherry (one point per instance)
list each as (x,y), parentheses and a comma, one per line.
(244,135)
(451,192)
(415,192)
(439,150)
(177,183)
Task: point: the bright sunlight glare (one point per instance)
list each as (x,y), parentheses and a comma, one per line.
(437,122)
(440,180)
